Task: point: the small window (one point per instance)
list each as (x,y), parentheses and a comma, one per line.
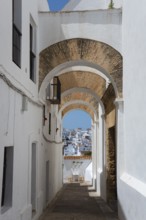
(33,178)
(44,115)
(32,51)
(17,32)
(7,183)
(44,110)
(49,123)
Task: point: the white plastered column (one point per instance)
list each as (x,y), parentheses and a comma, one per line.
(102,157)
(100,154)
(119,103)
(120,136)
(97,158)
(93,154)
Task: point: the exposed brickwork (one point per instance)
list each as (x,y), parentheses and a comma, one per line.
(83,80)
(111,164)
(108,99)
(111,119)
(82,49)
(80,96)
(82,157)
(117,76)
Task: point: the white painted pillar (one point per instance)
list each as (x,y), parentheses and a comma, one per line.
(94,154)
(119,146)
(98,158)
(120,136)
(102,170)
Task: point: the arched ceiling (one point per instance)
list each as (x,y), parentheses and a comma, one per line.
(82,79)
(106,57)
(87,92)
(80,96)
(99,54)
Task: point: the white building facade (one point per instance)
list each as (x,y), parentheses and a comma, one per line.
(81,42)
(26,166)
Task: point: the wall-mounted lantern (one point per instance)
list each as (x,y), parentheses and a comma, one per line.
(53,92)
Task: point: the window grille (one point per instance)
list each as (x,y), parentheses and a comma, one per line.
(16,45)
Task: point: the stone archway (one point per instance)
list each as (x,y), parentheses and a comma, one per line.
(92,51)
(89,53)
(80,104)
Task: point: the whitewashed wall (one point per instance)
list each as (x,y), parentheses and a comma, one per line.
(20,77)
(101,161)
(53,154)
(85,169)
(132,183)
(101,25)
(22,128)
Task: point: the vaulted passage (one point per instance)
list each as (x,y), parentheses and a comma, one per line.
(78,202)
(90,78)
(93,52)
(89,58)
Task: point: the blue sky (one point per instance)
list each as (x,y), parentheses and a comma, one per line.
(56,5)
(77,119)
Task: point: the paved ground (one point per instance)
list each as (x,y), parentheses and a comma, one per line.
(74,203)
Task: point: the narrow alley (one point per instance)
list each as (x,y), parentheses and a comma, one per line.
(78,202)
(58,57)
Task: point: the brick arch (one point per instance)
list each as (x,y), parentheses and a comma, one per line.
(105,56)
(83,79)
(80,96)
(85,104)
(85,91)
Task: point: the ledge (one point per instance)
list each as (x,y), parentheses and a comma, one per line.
(77,157)
(115,10)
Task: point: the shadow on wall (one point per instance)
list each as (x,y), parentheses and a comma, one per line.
(121,212)
(88,173)
(103,185)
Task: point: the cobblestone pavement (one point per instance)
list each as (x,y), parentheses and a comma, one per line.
(74,203)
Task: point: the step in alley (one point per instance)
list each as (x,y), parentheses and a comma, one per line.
(77,202)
